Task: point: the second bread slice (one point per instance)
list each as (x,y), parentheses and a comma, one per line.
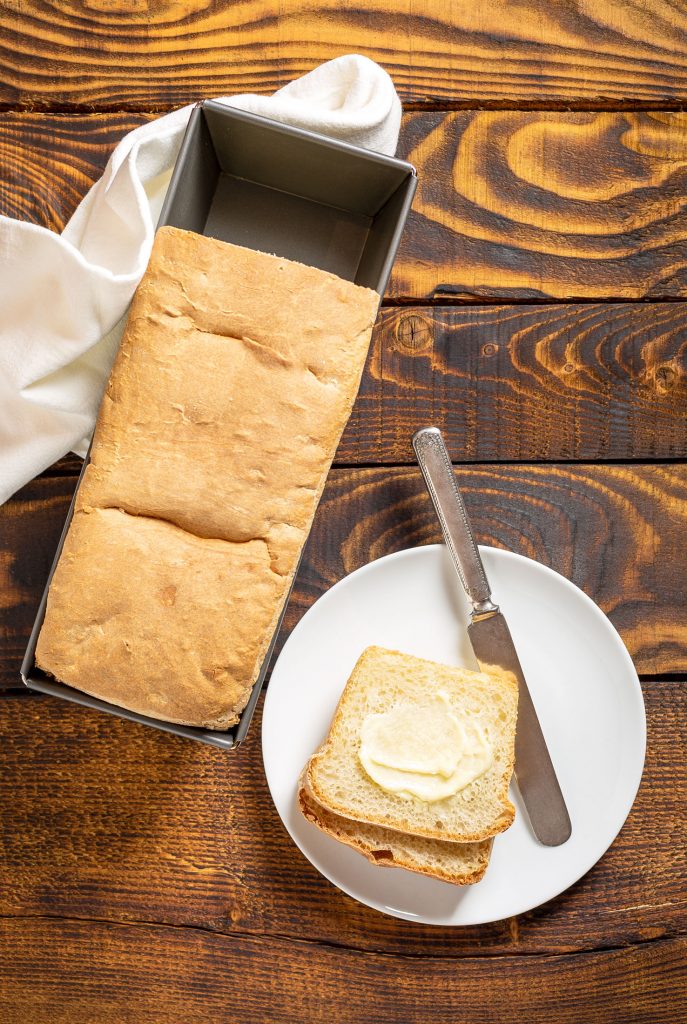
(383,679)
(458,863)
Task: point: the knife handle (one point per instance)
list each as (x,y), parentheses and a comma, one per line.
(435,463)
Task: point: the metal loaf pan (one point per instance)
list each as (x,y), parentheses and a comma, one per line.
(264,185)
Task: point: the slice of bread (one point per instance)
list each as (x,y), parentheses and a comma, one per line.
(458,863)
(382,680)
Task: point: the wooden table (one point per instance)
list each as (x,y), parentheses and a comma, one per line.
(537,315)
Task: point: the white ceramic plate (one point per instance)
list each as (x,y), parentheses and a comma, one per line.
(583,683)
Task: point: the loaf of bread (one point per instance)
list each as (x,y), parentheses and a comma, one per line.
(384,681)
(235,378)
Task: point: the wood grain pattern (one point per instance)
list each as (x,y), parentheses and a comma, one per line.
(606,381)
(144,877)
(510,205)
(69,970)
(521,383)
(535,205)
(136,54)
(30,528)
(48,163)
(105,819)
(490,377)
(616,531)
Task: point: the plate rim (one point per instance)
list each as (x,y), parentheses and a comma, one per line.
(639,709)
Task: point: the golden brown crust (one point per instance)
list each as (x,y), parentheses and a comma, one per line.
(375,845)
(124,621)
(235,378)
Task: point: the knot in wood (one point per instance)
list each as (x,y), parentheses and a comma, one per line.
(413,333)
(665,378)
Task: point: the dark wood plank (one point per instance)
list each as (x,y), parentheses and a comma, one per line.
(103,818)
(521,383)
(135,55)
(606,381)
(50,162)
(531,205)
(62,971)
(30,528)
(616,531)
(517,206)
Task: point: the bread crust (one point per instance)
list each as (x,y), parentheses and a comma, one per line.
(234,380)
(502,821)
(344,831)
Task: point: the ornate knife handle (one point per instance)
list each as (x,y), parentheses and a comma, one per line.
(435,463)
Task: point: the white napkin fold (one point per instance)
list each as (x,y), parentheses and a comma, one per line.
(63,297)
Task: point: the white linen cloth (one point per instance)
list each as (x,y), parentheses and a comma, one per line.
(63,297)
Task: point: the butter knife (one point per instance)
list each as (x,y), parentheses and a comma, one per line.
(492,642)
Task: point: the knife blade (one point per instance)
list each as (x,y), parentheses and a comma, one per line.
(492,642)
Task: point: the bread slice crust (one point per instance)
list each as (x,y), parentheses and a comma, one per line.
(456,863)
(338,782)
